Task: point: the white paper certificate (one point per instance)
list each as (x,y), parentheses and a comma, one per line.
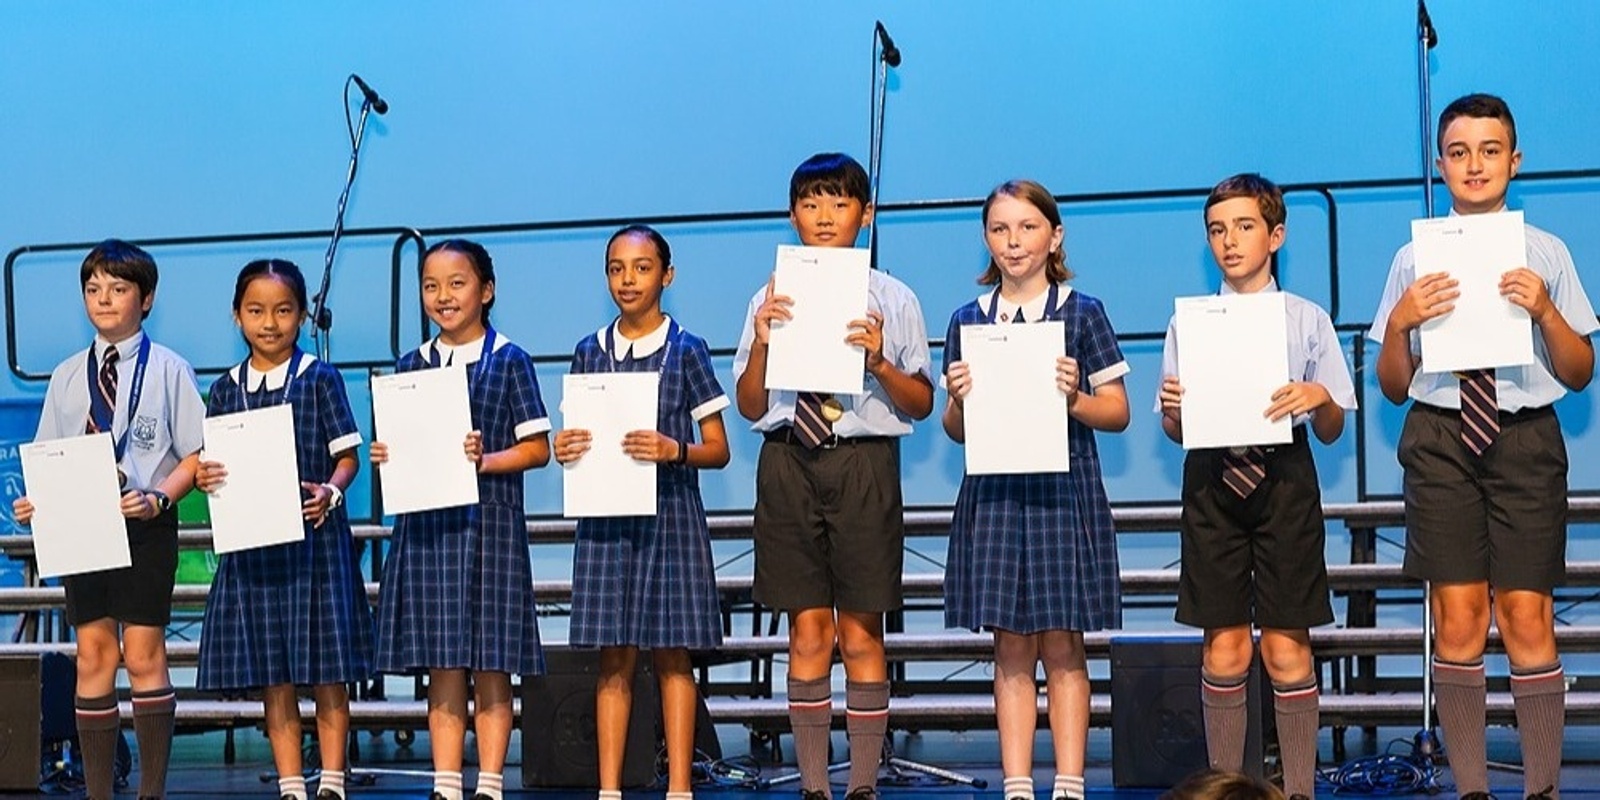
(423,417)
(829,288)
(1016,417)
(1485,330)
(1233,353)
(259,504)
(607,482)
(78,525)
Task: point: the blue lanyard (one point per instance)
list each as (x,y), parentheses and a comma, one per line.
(666,349)
(483,358)
(1049,305)
(103,413)
(288,380)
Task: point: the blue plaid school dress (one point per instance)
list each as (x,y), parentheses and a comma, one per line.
(458,582)
(649,581)
(1037,552)
(291,613)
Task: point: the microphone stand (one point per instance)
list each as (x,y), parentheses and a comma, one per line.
(1425,748)
(879,97)
(321,315)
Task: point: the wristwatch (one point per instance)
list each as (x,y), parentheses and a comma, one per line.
(338,496)
(163,502)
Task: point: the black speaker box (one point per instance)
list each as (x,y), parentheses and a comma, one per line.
(19,723)
(558,727)
(1158,732)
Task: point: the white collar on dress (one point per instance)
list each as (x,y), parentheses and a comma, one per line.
(462,353)
(642,347)
(275,377)
(1033,310)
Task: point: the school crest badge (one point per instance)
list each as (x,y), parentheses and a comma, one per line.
(144,432)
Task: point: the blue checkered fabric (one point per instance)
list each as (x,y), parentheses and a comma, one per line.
(292,613)
(458,582)
(1038,552)
(650,581)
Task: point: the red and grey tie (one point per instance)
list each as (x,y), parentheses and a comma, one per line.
(810,426)
(1480,410)
(106,383)
(1244,469)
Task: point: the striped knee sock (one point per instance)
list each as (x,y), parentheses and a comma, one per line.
(1296,707)
(153,716)
(1459,694)
(811,719)
(1222,701)
(98,722)
(867,722)
(1540,697)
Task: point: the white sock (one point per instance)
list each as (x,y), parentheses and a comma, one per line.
(331,780)
(679,796)
(293,786)
(1068,786)
(447,784)
(1019,788)
(610,794)
(491,784)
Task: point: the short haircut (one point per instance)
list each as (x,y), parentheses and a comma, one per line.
(830,173)
(1033,193)
(122,260)
(663,250)
(477,255)
(1214,784)
(278,268)
(1478,106)
(1249,184)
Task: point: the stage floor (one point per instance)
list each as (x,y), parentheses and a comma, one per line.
(198,771)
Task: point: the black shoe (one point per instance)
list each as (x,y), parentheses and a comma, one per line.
(1544,795)
(435,796)
(862,793)
(1477,796)
(329,794)
(813,794)
(480,796)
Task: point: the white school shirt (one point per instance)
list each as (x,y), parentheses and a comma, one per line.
(905,344)
(469,353)
(646,346)
(168,426)
(1315,354)
(1517,388)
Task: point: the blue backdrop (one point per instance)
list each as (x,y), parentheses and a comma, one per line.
(150,120)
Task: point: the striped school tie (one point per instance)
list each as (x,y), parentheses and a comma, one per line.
(1480,410)
(810,426)
(106,382)
(1244,469)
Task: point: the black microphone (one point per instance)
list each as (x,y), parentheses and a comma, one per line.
(891,54)
(377,102)
(1425,25)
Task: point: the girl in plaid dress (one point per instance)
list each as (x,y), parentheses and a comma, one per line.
(1033,557)
(649,581)
(458,586)
(291,614)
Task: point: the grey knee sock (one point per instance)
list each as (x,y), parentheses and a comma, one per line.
(866,706)
(1222,700)
(811,719)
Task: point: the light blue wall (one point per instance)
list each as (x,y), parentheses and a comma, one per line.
(147,120)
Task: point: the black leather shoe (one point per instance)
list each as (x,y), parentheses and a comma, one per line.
(1477,796)
(862,793)
(1544,795)
(813,794)
(329,794)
